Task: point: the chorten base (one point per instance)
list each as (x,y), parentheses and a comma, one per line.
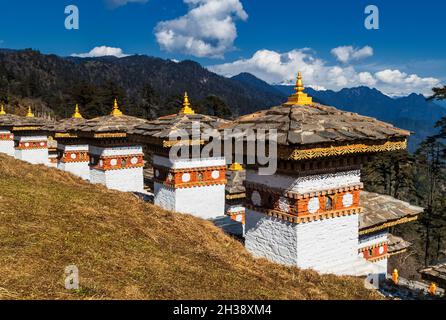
(193,186)
(323,245)
(7,143)
(118,168)
(32,149)
(74,159)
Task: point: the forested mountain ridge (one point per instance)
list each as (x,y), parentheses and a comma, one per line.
(146,86)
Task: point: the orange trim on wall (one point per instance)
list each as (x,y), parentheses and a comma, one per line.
(74,157)
(117,162)
(6,136)
(299,207)
(31,145)
(190,177)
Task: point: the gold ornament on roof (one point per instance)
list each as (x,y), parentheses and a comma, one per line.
(186,106)
(30,113)
(77,114)
(116,112)
(299,97)
(2,110)
(236,167)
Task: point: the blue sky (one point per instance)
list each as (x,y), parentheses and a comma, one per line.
(327,40)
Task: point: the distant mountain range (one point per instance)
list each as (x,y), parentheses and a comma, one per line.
(148,85)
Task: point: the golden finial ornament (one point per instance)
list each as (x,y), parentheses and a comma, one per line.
(236,167)
(186,106)
(2,110)
(77,114)
(30,113)
(116,112)
(299,97)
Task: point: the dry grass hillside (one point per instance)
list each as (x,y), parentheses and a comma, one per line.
(127,249)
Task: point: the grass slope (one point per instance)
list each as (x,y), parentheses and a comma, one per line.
(127,249)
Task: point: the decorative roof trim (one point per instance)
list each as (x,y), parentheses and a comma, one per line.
(65,135)
(373,246)
(376,259)
(388,224)
(241,195)
(305,154)
(171,143)
(396,252)
(29,128)
(110,135)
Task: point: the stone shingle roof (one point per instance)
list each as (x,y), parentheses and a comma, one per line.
(397,244)
(66,125)
(10,121)
(110,124)
(318,124)
(436,273)
(382,211)
(163,127)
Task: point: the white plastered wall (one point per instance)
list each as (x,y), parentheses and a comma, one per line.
(323,245)
(7,146)
(80,169)
(205,202)
(127,180)
(33,156)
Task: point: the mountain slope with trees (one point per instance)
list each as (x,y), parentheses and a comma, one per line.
(146,86)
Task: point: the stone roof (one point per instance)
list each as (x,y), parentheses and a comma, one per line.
(435,273)
(302,125)
(110,124)
(163,127)
(382,211)
(10,120)
(66,125)
(397,244)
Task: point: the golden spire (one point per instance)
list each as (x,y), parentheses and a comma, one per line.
(116,112)
(2,110)
(30,113)
(236,167)
(299,97)
(186,106)
(77,114)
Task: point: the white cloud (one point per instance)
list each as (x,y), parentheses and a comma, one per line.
(207,30)
(367,79)
(399,83)
(119,3)
(347,54)
(102,51)
(275,67)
